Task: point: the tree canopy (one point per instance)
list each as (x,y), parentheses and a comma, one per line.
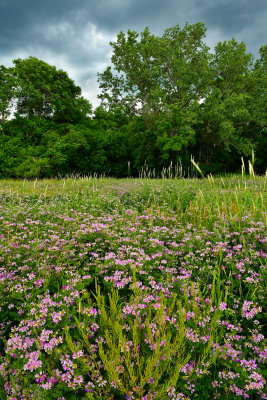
(163,99)
(41,90)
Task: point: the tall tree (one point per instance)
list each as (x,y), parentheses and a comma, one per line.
(157,71)
(162,79)
(225,112)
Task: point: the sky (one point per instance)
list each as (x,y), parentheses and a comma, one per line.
(74,35)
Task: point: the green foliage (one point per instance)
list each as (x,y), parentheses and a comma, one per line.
(158,71)
(186,98)
(225,112)
(139,359)
(44,91)
(163,80)
(164,99)
(7,87)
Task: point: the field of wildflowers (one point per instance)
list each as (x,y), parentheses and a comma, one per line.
(133,289)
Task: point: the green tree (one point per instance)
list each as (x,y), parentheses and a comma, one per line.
(258,111)
(46,92)
(162,79)
(157,71)
(224,115)
(6,93)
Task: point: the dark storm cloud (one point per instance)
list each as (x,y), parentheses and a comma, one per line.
(74,34)
(19,18)
(243,19)
(230,15)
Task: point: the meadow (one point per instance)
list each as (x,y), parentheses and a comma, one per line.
(133,288)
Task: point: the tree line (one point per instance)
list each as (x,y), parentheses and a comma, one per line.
(164,99)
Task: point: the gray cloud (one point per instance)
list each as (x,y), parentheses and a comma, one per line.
(232,16)
(75,35)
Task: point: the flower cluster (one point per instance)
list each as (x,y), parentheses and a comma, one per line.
(96,287)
